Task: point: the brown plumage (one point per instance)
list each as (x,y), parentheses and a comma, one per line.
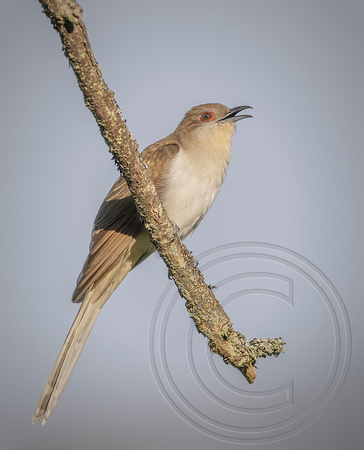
(187,168)
(117,224)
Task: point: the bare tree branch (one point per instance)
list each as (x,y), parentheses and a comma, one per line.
(207,313)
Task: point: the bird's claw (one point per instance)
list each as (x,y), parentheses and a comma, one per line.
(176,229)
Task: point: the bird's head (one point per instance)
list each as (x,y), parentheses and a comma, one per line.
(210,123)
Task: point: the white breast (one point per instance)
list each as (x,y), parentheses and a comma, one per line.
(191,185)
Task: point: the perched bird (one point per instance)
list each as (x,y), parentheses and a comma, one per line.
(187,168)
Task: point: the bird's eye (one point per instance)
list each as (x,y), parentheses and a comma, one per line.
(207,116)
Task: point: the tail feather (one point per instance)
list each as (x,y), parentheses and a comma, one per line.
(67,358)
(93,300)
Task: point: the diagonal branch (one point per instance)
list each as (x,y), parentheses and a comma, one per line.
(207,313)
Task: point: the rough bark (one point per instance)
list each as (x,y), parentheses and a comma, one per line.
(207,313)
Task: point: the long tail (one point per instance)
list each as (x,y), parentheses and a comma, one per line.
(67,359)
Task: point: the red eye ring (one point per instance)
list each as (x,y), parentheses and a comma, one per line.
(207,116)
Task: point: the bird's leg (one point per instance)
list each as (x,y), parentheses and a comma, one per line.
(176,229)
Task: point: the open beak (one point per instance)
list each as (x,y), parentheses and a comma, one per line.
(231,116)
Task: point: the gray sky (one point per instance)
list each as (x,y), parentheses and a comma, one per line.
(293,191)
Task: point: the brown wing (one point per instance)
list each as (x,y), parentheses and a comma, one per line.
(157,157)
(118,223)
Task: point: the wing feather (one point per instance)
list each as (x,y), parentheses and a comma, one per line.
(117,223)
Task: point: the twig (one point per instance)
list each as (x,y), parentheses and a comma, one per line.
(207,313)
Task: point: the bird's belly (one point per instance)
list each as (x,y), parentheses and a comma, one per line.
(187,200)
(189,210)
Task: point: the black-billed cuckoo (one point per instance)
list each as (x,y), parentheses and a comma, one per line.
(187,168)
